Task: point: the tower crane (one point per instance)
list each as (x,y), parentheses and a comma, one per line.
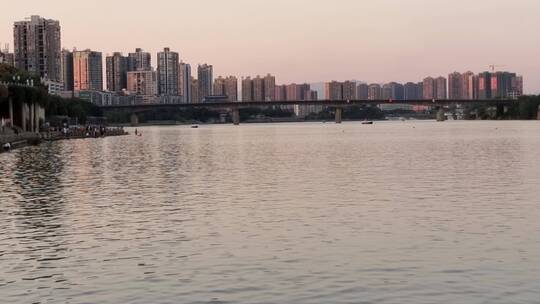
(492,67)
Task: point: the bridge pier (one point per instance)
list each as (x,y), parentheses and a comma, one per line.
(440,114)
(11,112)
(24,119)
(500,111)
(134,120)
(235,115)
(339,114)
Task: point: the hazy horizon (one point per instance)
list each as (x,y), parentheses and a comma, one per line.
(304,41)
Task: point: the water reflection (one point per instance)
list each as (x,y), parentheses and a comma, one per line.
(414,212)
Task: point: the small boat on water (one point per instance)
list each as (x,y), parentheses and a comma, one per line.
(367,122)
(194,126)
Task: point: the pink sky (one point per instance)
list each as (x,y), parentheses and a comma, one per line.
(308,41)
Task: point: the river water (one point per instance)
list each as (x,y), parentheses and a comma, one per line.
(396,212)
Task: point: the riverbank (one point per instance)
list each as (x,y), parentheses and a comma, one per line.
(24,139)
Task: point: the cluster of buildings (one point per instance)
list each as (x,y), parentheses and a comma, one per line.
(458,86)
(131,78)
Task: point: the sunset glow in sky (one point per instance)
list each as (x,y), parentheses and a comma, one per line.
(308,40)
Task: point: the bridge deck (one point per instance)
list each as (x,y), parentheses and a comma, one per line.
(329,103)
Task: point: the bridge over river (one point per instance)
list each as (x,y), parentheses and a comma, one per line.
(234,107)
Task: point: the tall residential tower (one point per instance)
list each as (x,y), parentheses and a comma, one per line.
(37,47)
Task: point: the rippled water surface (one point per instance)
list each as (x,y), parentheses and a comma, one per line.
(397,212)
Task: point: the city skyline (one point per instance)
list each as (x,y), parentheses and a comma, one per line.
(383,51)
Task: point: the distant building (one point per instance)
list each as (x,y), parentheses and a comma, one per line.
(502,85)
(53,87)
(37,47)
(440,88)
(386,91)
(420,89)
(269,87)
(206,80)
(142,83)
(517,87)
(195,96)
(231,88)
(184,82)
(484,85)
(87,71)
(294,92)
(469,86)
(227,87)
(396,91)
(362,91)
(6,57)
(411,91)
(455,86)
(429,88)
(247,89)
(167,70)
(333,90)
(66,67)
(349,90)
(116,68)
(219,86)
(374,92)
(280,92)
(258,88)
(139,61)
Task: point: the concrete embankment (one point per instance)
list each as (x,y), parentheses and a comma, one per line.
(24,139)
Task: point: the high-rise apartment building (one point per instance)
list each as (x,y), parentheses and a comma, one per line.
(66,67)
(231,88)
(441,88)
(167,70)
(37,47)
(294,92)
(429,88)
(501,84)
(184,82)
(386,91)
(226,87)
(469,86)
(87,71)
(116,68)
(411,91)
(455,86)
(219,86)
(362,91)
(517,87)
(349,90)
(374,92)
(247,89)
(142,82)
(258,88)
(195,95)
(269,88)
(305,91)
(206,81)
(139,61)
(280,92)
(396,91)
(484,85)
(333,90)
